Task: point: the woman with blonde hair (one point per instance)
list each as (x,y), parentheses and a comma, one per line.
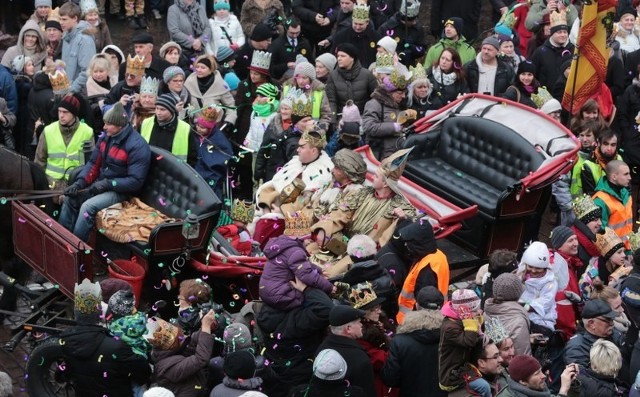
(100,79)
(605,361)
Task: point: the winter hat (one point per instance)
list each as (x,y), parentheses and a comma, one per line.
(221,5)
(87,305)
(122,303)
(110,286)
(329,365)
(352,164)
(6,385)
(253,393)
(430,298)
(388,44)
(351,113)
(171,72)
(502,38)
(167,46)
(507,287)
(224,54)
(559,235)
(116,115)
(239,365)
(158,392)
(168,102)
(360,245)
(457,23)
(348,49)
(70,103)
(52,23)
(268,90)
(261,32)
(236,337)
(208,119)
(306,69)
(492,41)
(526,66)
(232,80)
(328,60)
(114,50)
(19,62)
(522,367)
(536,255)
(142,38)
(503,29)
(344,314)
(550,106)
(42,3)
(87,6)
(465,300)
(585,209)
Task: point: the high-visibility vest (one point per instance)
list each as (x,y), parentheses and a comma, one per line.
(61,157)
(316,100)
(440,266)
(180,145)
(576,178)
(596,170)
(620,216)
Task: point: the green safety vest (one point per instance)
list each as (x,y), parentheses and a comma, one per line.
(576,174)
(61,157)
(316,99)
(180,146)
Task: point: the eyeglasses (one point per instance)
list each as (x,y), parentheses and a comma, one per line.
(608,321)
(495,357)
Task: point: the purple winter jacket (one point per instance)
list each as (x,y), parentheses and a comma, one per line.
(287,260)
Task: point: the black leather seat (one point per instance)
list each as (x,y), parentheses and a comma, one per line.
(471,160)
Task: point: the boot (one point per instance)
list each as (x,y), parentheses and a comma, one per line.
(131,22)
(142,21)
(8,139)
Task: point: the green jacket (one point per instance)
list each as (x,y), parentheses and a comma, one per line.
(603,185)
(467,53)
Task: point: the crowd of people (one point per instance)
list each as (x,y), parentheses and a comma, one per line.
(266,100)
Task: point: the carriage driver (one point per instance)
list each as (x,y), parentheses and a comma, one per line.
(117,169)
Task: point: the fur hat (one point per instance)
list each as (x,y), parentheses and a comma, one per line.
(87,305)
(361,245)
(158,392)
(167,46)
(507,287)
(559,235)
(465,300)
(240,364)
(522,367)
(122,303)
(536,255)
(328,60)
(236,337)
(116,115)
(329,365)
(71,103)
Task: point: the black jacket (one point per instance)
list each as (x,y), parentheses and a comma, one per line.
(243,60)
(362,42)
(517,93)
(359,367)
(90,352)
(40,102)
(278,147)
(628,107)
(469,11)
(411,40)
(155,69)
(282,53)
(441,94)
(357,84)
(306,11)
(596,385)
(162,137)
(548,60)
(504,77)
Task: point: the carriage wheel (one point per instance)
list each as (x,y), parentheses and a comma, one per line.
(46,371)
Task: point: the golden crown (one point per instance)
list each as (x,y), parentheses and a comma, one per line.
(558,18)
(54,15)
(585,209)
(297,224)
(494,329)
(360,13)
(87,297)
(149,85)
(608,242)
(301,103)
(210,113)
(418,72)
(542,97)
(634,241)
(261,60)
(384,63)
(59,81)
(242,211)
(315,137)
(135,65)
(162,334)
(361,295)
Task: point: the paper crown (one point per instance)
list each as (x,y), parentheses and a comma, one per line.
(542,97)
(210,114)
(508,19)
(608,243)
(242,211)
(135,65)
(163,335)
(495,331)
(54,15)
(418,72)
(393,166)
(396,81)
(87,297)
(361,295)
(88,5)
(384,63)
(261,60)
(410,8)
(301,104)
(59,81)
(315,137)
(149,85)
(634,241)
(585,209)
(360,13)
(558,18)
(297,224)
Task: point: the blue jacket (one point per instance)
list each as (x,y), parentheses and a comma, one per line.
(122,159)
(213,153)
(8,89)
(78,47)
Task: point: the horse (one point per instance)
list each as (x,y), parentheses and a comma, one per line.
(17,173)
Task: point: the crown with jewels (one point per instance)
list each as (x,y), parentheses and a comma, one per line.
(301,104)
(384,63)
(149,85)
(495,331)
(542,97)
(316,137)
(261,60)
(585,209)
(87,297)
(396,81)
(88,5)
(135,65)
(360,13)
(418,72)
(59,81)
(242,211)
(361,295)
(608,242)
(410,8)
(162,334)
(297,224)
(558,18)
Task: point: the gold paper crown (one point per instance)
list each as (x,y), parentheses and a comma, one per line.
(315,137)
(360,13)
(558,18)
(509,18)
(410,8)
(242,211)
(261,60)
(59,81)
(398,80)
(149,85)
(297,224)
(585,209)
(494,329)
(87,297)
(210,113)
(384,63)
(361,295)
(163,335)
(543,96)
(608,243)
(393,166)
(301,104)
(418,72)
(634,241)
(54,15)
(135,65)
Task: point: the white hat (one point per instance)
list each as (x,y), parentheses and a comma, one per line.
(388,44)
(552,105)
(329,365)
(158,392)
(536,255)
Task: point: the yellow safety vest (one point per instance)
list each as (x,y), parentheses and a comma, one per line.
(61,157)
(180,146)
(316,99)
(596,170)
(576,178)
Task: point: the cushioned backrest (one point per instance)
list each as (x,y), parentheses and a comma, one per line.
(487,150)
(424,145)
(173,187)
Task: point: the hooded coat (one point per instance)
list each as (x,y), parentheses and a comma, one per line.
(38,58)
(379,124)
(40,101)
(412,363)
(515,320)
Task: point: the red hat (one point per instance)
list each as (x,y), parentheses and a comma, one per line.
(522,367)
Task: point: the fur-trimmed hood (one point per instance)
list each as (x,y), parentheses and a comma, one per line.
(427,320)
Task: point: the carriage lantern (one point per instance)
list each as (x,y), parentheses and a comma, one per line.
(191,227)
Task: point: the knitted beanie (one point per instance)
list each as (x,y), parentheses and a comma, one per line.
(70,103)
(110,286)
(224,54)
(536,255)
(465,300)
(457,23)
(526,66)
(507,287)
(236,337)
(171,72)
(168,102)
(53,24)
(122,303)
(348,49)
(492,41)
(305,69)
(239,365)
(522,367)
(328,60)
(158,392)
(329,365)
(559,235)
(221,5)
(503,29)
(268,90)
(388,44)
(116,116)
(42,3)
(232,80)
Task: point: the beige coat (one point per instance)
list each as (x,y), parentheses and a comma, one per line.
(217,94)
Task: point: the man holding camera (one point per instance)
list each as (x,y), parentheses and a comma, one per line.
(527,379)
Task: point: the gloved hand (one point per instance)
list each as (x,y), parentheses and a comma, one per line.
(573,297)
(72,190)
(99,187)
